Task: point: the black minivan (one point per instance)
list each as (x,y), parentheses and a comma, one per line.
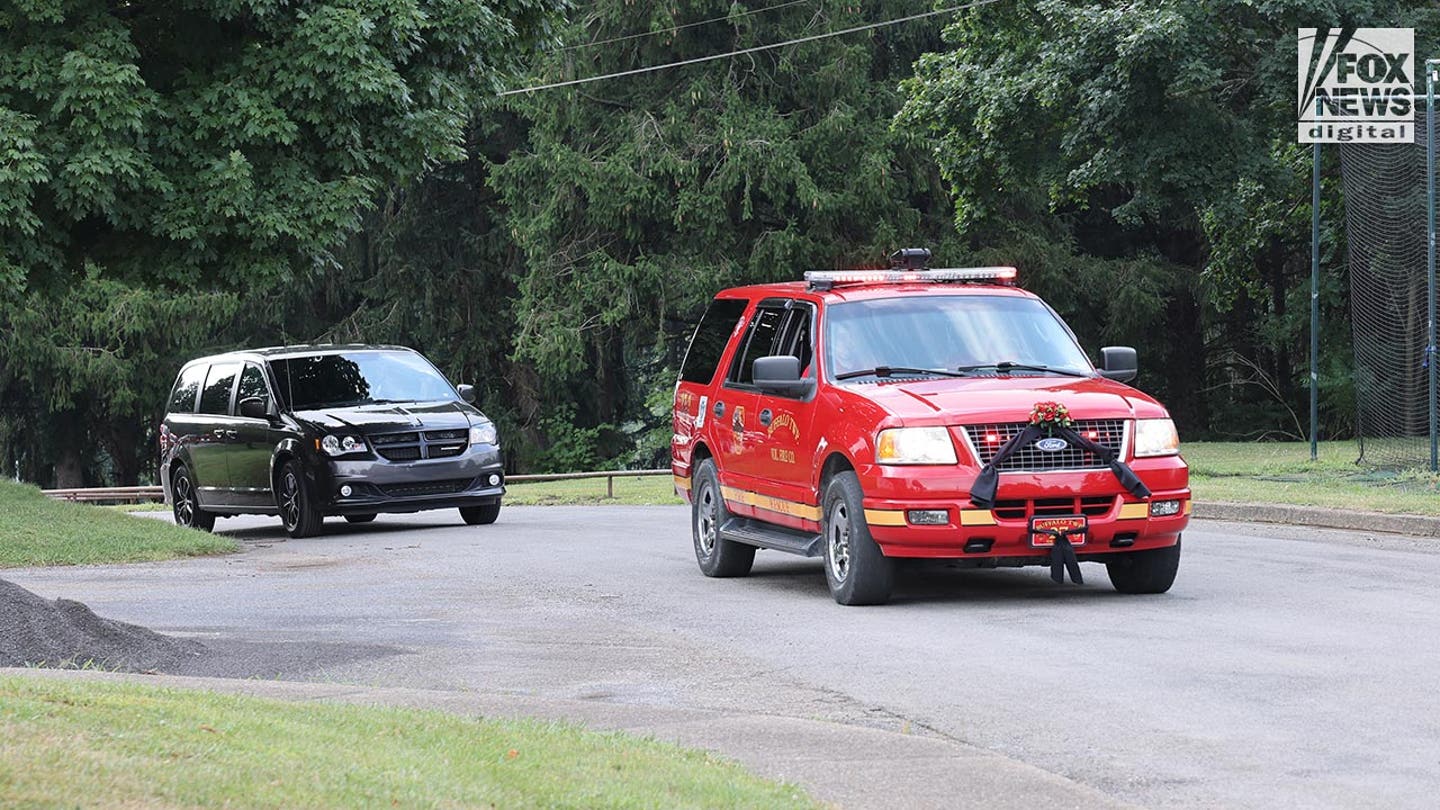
(309,431)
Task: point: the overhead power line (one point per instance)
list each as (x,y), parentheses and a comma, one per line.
(743,51)
(672,29)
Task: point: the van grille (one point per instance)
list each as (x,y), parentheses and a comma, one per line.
(416,445)
(987,439)
(444,487)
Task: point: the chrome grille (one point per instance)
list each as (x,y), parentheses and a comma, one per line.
(415,445)
(987,439)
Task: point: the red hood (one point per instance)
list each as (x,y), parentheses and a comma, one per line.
(949,401)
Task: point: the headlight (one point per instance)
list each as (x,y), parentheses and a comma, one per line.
(919,445)
(342,445)
(484,434)
(1156,437)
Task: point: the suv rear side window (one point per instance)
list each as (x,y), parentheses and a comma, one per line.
(759,342)
(709,340)
(187,389)
(215,396)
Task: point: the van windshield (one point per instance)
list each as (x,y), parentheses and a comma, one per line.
(950,333)
(358,378)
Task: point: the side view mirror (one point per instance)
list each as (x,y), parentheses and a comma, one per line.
(256,408)
(467,393)
(780,374)
(1119,363)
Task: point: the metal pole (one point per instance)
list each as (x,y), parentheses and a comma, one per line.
(1315,295)
(1432,71)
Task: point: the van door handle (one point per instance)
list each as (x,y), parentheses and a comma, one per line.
(226,434)
(765,417)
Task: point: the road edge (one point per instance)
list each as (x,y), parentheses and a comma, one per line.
(1319,517)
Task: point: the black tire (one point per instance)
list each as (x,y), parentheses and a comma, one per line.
(359,518)
(1150,571)
(186,504)
(716,556)
(480,515)
(302,518)
(855,569)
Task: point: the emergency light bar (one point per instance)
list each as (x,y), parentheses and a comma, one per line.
(827,279)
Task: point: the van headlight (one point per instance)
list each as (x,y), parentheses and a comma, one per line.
(916,445)
(342,445)
(484,434)
(1156,437)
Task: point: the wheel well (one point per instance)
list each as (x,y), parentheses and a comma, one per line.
(697,455)
(835,464)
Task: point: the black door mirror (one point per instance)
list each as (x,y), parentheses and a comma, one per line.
(255,408)
(467,393)
(780,374)
(1119,363)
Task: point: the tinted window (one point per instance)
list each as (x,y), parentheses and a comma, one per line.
(947,332)
(759,341)
(359,378)
(709,340)
(187,389)
(252,384)
(215,396)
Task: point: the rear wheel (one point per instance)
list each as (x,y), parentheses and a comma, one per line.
(480,515)
(187,502)
(717,556)
(359,518)
(297,508)
(856,571)
(1150,571)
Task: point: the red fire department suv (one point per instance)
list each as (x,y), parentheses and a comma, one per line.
(864,416)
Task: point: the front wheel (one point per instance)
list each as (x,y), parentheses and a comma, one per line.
(855,569)
(480,515)
(187,503)
(1150,571)
(297,508)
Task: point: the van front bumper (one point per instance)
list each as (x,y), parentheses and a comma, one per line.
(474,478)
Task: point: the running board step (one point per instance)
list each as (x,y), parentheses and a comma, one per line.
(766,535)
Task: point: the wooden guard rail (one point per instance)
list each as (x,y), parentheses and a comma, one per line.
(143,494)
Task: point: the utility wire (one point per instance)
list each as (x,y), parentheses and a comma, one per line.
(672,29)
(743,51)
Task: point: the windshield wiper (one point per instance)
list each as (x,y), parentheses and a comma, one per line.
(886,371)
(1006,366)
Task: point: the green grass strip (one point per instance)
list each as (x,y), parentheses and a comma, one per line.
(68,744)
(36,530)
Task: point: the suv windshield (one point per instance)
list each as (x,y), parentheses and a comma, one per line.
(950,333)
(358,378)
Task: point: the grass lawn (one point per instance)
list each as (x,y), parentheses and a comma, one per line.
(67,744)
(1281,472)
(632,491)
(35,530)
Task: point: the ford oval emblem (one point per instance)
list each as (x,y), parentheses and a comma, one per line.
(1051,445)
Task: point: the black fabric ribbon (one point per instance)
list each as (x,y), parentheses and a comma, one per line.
(1062,555)
(983,492)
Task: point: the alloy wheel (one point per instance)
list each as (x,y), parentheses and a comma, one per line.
(709,516)
(290,499)
(184,501)
(837,546)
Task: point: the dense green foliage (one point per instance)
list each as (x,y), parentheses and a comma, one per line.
(345,171)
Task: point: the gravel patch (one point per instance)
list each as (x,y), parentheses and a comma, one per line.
(38,632)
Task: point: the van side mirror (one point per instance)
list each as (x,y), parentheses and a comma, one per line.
(1119,363)
(780,374)
(255,408)
(467,393)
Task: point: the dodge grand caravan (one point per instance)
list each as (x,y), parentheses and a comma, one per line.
(304,432)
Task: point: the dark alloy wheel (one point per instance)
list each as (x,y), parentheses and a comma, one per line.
(359,518)
(717,556)
(480,515)
(187,503)
(297,508)
(855,569)
(1151,571)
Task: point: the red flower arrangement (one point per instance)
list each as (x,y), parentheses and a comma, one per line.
(1051,415)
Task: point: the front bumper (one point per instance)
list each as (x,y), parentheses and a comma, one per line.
(377,485)
(1117,522)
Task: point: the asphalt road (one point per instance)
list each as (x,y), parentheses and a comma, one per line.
(1286,668)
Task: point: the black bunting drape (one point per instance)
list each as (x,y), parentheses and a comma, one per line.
(983,492)
(1062,555)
